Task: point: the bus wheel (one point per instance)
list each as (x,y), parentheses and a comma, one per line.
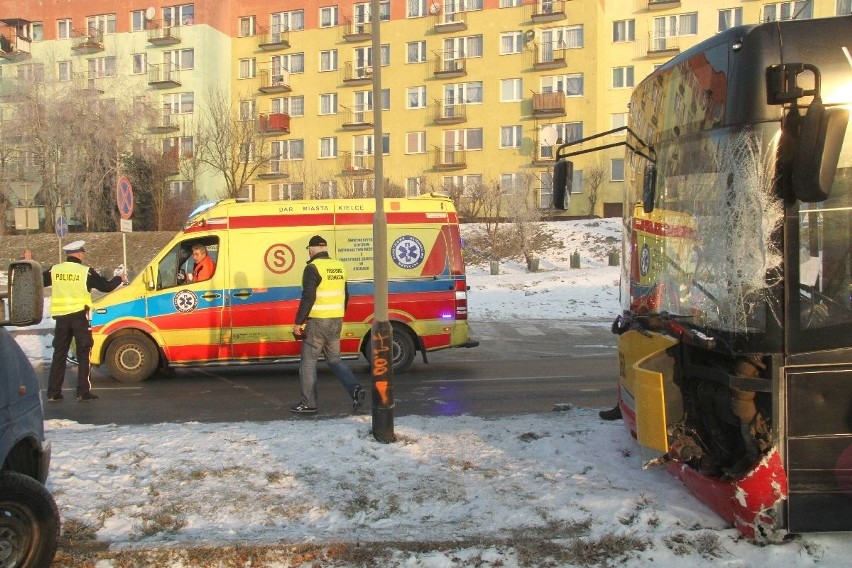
(131,358)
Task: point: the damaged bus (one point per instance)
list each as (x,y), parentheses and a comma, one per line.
(735,341)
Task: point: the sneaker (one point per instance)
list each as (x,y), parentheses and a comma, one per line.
(358,396)
(72,360)
(303,408)
(611,414)
(55,398)
(86,396)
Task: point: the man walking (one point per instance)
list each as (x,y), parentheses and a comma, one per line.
(69,306)
(319,321)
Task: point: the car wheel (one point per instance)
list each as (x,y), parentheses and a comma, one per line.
(29,522)
(132,358)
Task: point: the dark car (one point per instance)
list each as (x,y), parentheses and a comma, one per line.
(29,519)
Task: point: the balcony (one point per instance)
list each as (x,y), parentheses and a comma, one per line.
(450,158)
(663,4)
(86,82)
(548,105)
(357,31)
(357,73)
(449,112)
(548,57)
(276,79)
(161,35)
(86,43)
(274,38)
(359,117)
(450,17)
(356,164)
(547,11)
(163,75)
(662,46)
(274,169)
(165,123)
(273,123)
(14,46)
(448,64)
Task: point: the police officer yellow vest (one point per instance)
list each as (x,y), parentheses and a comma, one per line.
(331,293)
(70,293)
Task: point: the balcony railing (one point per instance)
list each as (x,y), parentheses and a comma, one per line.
(274,38)
(449,112)
(451,157)
(663,4)
(357,163)
(13,46)
(548,56)
(451,18)
(89,41)
(356,31)
(357,73)
(274,169)
(547,11)
(358,117)
(163,75)
(548,104)
(86,82)
(274,123)
(661,46)
(276,79)
(166,122)
(158,34)
(449,64)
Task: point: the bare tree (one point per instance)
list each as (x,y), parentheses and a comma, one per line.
(524,214)
(230,144)
(594,180)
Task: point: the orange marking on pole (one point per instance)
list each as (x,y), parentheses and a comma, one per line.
(382,387)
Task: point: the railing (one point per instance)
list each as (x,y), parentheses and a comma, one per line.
(357,116)
(449,63)
(357,72)
(451,157)
(159,34)
(276,79)
(356,31)
(548,57)
(13,46)
(276,37)
(274,168)
(449,112)
(356,163)
(90,41)
(549,104)
(85,81)
(274,123)
(163,75)
(548,10)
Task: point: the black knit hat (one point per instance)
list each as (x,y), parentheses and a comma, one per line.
(317,241)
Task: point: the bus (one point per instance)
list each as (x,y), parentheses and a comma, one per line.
(735,337)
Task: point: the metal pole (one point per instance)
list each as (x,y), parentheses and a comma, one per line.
(382,332)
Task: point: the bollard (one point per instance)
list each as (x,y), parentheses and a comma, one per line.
(532,264)
(495,267)
(613,258)
(575,260)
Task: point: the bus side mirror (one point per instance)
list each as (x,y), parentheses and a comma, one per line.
(818,151)
(25,295)
(649,188)
(563,174)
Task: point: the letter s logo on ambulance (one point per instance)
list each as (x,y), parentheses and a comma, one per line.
(279,258)
(185,301)
(408,252)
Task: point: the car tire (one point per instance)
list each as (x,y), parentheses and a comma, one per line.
(132,358)
(29,522)
(404,349)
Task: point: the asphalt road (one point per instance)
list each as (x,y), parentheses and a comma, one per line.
(519,368)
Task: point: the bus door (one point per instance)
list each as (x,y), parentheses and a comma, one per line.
(189,313)
(818,378)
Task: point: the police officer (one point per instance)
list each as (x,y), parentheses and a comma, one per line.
(319,321)
(69,306)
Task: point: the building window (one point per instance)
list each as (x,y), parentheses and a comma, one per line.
(247,110)
(801,10)
(137,20)
(511,90)
(511,183)
(294,106)
(64,71)
(140,63)
(511,136)
(623,30)
(328,147)
(178,15)
(293,150)
(180,188)
(413,186)
(844,7)
(36,31)
(464,93)
(415,142)
(618,120)
(248,68)
(673,26)
(565,131)
(328,60)
(415,97)
(101,67)
(248,26)
(510,3)
(328,189)
(617,169)
(416,9)
(63,28)
(287,21)
(102,24)
(328,103)
(571,85)
(511,42)
(179,58)
(294,63)
(463,184)
(179,103)
(415,52)
(466,138)
(730,18)
(622,77)
(328,17)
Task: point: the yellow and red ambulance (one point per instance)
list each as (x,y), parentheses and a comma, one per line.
(245,312)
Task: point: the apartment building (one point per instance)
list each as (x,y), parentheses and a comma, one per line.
(473,92)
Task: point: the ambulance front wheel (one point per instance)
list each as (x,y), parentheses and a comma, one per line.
(132,358)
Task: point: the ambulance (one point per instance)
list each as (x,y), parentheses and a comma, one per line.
(245,312)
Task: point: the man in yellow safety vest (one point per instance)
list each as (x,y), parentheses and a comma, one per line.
(69,306)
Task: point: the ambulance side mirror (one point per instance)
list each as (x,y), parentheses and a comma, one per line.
(23,304)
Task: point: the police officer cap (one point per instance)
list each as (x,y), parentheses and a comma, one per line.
(76,246)
(317,241)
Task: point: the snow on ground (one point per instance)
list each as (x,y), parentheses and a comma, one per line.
(553,489)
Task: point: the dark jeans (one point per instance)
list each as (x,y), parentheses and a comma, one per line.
(70,326)
(322,337)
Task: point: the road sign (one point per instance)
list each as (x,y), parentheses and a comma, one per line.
(126,225)
(124,197)
(61,226)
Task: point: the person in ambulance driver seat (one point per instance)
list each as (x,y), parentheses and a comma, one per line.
(72,282)
(319,321)
(204,265)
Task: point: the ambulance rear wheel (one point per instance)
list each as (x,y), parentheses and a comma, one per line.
(132,358)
